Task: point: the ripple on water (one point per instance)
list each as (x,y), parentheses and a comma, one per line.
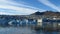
(22,30)
(15,30)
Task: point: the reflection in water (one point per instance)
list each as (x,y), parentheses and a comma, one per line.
(23,30)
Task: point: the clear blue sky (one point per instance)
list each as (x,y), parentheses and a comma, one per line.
(24,7)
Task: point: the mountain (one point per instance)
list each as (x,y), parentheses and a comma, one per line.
(38,13)
(47,13)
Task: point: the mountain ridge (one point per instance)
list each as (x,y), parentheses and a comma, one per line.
(51,13)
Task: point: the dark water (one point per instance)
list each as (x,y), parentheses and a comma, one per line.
(23,30)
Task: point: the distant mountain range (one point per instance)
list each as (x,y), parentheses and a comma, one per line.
(46,13)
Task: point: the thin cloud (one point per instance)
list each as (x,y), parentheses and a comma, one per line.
(48,3)
(17,7)
(21,9)
(5,13)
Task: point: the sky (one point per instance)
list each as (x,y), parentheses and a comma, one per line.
(26,7)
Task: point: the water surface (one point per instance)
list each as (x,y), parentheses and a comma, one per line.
(23,30)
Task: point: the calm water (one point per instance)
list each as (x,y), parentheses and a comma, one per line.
(22,30)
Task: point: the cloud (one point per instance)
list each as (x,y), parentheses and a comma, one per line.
(48,3)
(17,8)
(5,13)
